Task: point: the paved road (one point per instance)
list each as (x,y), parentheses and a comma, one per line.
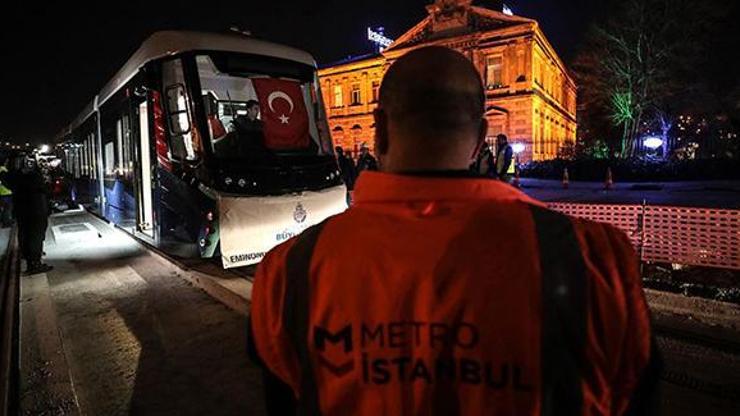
(715,194)
(112,330)
(698,380)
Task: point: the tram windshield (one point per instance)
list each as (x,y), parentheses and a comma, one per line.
(261,109)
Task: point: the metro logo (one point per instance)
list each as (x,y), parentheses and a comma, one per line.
(390,353)
(321,335)
(344,336)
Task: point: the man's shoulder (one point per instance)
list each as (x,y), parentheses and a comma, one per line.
(277,255)
(275,259)
(597,229)
(588,231)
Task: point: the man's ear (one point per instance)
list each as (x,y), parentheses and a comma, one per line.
(381,131)
(482,133)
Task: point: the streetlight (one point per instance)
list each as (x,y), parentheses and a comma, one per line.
(44,148)
(652,143)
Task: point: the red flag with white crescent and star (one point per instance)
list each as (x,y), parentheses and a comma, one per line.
(283,113)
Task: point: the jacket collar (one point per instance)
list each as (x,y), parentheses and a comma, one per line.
(374,187)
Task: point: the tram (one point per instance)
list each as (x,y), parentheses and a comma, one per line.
(207,145)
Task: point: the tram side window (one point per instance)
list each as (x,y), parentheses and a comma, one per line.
(119,146)
(83,160)
(123,146)
(93,156)
(88,158)
(110,158)
(183,142)
(91,146)
(127,161)
(77,161)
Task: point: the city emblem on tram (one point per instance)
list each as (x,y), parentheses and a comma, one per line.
(300,214)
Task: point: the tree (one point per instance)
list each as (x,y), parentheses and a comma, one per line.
(628,70)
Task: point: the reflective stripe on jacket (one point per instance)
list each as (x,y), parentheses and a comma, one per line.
(453,296)
(505,163)
(4,190)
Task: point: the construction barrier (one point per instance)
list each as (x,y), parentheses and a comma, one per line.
(683,235)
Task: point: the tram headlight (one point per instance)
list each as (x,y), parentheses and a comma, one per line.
(242,183)
(228,181)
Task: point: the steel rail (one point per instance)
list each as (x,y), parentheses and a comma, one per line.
(9,298)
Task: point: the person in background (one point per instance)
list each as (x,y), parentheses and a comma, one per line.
(366,161)
(31,202)
(346,168)
(505,167)
(247,137)
(6,200)
(250,124)
(484,165)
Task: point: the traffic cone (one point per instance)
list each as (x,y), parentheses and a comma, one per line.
(566,179)
(516,182)
(609,183)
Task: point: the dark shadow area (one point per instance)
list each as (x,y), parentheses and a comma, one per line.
(193,353)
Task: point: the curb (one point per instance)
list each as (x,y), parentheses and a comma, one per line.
(706,311)
(235,293)
(223,290)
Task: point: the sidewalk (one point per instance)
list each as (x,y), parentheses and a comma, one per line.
(113,330)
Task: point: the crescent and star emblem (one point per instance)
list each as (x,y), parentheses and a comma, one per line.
(276,95)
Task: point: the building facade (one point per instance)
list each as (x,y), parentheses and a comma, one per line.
(529,95)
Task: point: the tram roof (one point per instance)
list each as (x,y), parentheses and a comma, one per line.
(168,43)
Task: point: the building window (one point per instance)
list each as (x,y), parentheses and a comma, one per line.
(376,91)
(520,66)
(541,72)
(356,94)
(338,97)
(494,72)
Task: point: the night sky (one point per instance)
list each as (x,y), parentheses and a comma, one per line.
(55,57)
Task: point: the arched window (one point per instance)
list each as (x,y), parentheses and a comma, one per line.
(340,139)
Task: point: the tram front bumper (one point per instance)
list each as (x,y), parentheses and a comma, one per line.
(249,227)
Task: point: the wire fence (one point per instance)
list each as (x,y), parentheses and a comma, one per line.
(683,235)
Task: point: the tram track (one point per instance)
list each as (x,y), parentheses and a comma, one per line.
(692,337)
(670,339)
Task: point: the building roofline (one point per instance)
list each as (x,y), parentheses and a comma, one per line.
(351,60)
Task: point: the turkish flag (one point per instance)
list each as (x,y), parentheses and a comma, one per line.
(283,113)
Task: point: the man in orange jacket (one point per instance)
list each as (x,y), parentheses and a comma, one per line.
(441,293)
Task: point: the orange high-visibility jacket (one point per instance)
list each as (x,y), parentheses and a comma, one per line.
(438,295)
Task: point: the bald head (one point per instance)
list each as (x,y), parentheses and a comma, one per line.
(430,114)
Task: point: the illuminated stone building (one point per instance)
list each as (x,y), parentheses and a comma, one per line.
(529,95)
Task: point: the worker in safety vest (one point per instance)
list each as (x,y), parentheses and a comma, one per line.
(6,200)
(505,163)
(439,292)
